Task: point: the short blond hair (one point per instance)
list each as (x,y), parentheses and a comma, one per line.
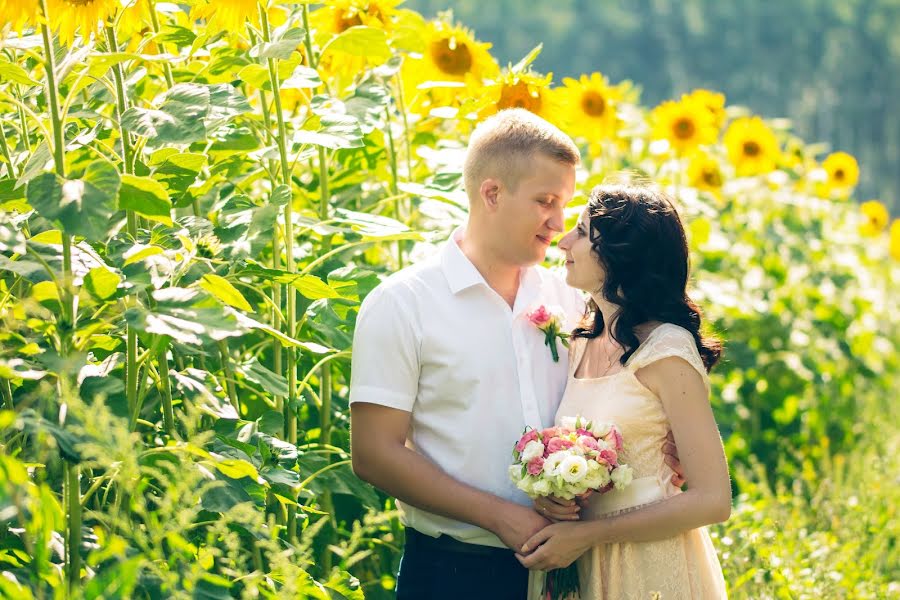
(500,145)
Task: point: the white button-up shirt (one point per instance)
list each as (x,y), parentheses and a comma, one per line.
(435,340)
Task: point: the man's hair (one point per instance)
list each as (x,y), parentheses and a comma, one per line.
(502,143)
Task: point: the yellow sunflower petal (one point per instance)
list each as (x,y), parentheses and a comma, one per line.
(843,171)
(84,17)
(895,239)
(875,218)
(752,146)
(686,124)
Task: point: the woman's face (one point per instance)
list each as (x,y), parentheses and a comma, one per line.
(583,268)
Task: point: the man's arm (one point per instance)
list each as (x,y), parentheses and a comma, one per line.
(381,457)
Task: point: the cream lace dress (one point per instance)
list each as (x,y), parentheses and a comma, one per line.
(684,566)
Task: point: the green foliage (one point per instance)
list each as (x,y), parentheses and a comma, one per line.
(178,298)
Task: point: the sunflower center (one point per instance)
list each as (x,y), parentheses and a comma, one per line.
(751,148)
(518,95)
(684,128)
(712,177)
(593,104)
(839,174)
(451,57)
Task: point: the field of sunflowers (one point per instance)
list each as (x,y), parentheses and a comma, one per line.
(196,197)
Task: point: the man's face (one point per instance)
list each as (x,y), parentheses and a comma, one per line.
(526,220)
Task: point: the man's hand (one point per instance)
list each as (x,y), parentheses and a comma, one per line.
(671,458)
(554,547)
(516,524)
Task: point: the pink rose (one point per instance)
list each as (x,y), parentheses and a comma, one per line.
(588,442)
(550,432)
(536,466)
(610,457)
(557,444)
(529,436)
(583,431)
(540,316)
(617,437)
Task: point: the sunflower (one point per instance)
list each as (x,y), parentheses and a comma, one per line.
(713,101)
(704,173)
(18,13)
(524,89)
(842,170)
(589,105)
(450,53)
(338,16)
(227,15)
(895,239)
(686,124)
(875,218)
(752,147)
(83,16)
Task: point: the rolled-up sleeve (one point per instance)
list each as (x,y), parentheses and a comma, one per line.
(385,361)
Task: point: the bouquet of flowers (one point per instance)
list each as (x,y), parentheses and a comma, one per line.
(567,461)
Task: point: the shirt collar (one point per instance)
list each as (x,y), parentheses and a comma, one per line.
(458,269)
(461,274)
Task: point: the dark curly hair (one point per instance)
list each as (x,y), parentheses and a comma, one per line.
(637,236)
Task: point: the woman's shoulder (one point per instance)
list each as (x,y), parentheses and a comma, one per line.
(662,340)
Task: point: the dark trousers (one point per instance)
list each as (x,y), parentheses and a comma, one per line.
(445,569)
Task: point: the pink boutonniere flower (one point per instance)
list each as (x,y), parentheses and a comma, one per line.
(549,321)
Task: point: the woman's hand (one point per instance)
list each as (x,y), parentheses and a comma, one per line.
(558,509)
(554,547)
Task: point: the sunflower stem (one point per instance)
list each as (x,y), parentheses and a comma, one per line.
(11,171)
(154,23)
(288,408)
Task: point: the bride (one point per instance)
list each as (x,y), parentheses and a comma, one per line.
(639,361)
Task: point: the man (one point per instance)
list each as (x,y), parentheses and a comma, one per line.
(448,371)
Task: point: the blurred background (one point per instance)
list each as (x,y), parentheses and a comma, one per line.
(831,67)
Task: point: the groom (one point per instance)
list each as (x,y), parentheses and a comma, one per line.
(447,369)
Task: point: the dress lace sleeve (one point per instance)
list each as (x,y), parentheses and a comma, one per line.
(666,341)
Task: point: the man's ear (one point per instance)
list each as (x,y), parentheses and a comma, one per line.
(490,194)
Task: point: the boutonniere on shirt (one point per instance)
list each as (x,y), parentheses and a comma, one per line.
(550,322)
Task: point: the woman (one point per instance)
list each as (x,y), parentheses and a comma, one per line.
(639,361)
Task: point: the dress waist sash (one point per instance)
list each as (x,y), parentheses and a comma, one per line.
(641,491)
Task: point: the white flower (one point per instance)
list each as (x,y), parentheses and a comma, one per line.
(515,472)
(622,476)
(526,484)
(596,479)
(541,487)
(604,445)
(568,422)
(600,429)
(573,468)
(532,450)
(552,462)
